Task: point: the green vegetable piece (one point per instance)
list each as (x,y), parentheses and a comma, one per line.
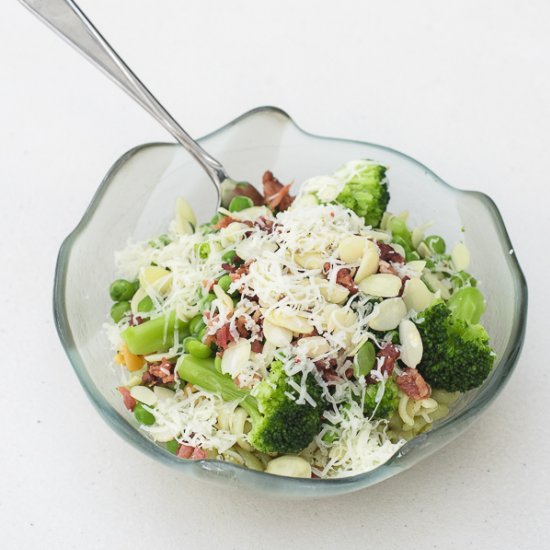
(400,231)
(198,349)
(123,290)
(203,250)
(231,189)
(218,363)
(279,424)
(240,203)
(388,403)
(412,256)
(436,244)
(330,437)
(143,416)
(225,282)
(402,242)
(229,256)
(364,360)
(467,304)
(196,324)
(119,310)
(156,335)
(205,301)
(215,219)
(463,278)
(456,354)
(202,333)
(366,191)
(145,305)
(173,446)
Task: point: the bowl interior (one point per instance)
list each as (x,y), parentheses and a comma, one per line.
(136,201)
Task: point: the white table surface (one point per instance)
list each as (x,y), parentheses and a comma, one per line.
(462,86)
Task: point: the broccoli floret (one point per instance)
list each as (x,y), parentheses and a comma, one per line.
(456,355)
(387,405)
(365,192)
(279,424)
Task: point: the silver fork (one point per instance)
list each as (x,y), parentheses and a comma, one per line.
(69,21)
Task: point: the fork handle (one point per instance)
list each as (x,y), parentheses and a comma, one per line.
(66,19)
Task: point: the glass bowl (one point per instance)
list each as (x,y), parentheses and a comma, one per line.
(136,200)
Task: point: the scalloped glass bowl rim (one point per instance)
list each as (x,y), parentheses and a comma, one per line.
(348,484)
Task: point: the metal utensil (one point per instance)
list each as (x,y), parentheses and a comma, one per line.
(69,21)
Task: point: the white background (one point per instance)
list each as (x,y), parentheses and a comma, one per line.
(462,86)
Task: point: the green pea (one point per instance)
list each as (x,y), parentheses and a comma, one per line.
(463,278)
(398,228)
(229,256)
(198,349)
(186,342)
(364,360)
(207,300)
(467,304)
(122,290)
(436,244)
(172,446)
(143,416)
(146,304)
(119,310)
(202,250)
(240,203)
(402,242)
(330,437)
(196,324)
(412,256)
(202,333)
(225,282)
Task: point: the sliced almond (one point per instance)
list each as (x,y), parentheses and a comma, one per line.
(290,466)
(424,250)
(333,293)
(383,285)
(411,343)
(144,395)
(460,257)
(157,277)
(163,393)
(314,346)
(389,314)
(309,260)
(341,319)
(369,262)
(184,212)
(278,336)
(352,249)
(416,265)
(417,296)
(435,285)
(290,320)
(235,356)
(225,300)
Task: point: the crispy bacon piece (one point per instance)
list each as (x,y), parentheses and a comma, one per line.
(412,384)
(240,325)
(390,353)
(159,373)
(264,224)
(345,279)
(248,190)
(129,401)
(185,451)
(257,346)
(198,454)
(223,337)
(276,194)
(224,222)
(388,253)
